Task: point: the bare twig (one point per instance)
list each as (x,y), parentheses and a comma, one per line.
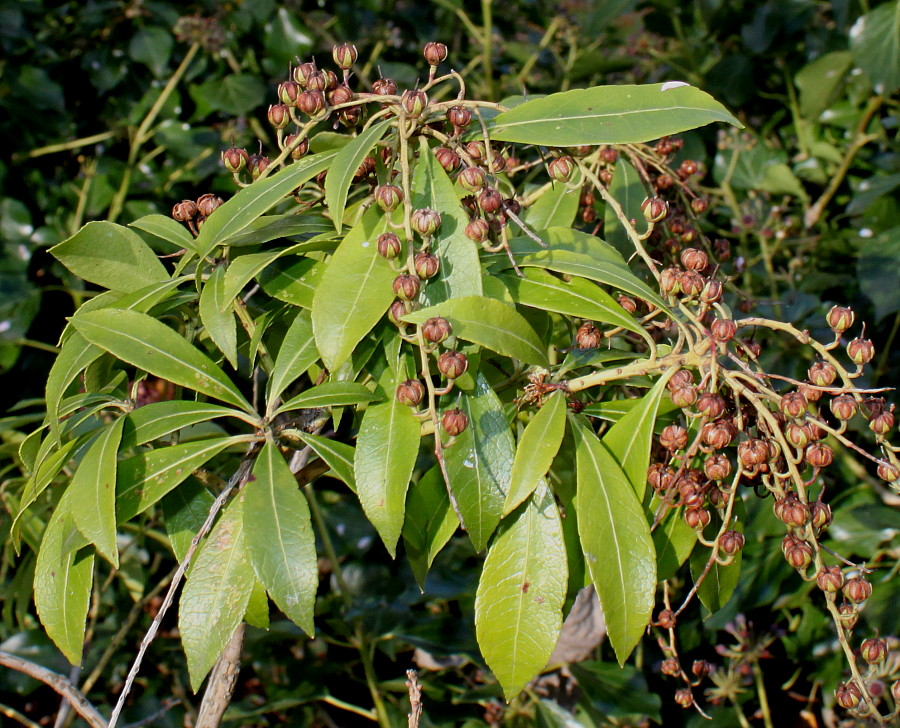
(222,680)
(415,698)
(59,683)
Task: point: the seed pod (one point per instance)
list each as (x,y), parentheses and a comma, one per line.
(693,497)
(303,72)
(819,455)
(692,283)
(435,53)
(447,158)
(797,435)
(384,87)
(849,616)
(489,200)
(208,203)
(436,329)
(588,336)
(472,179)
(717,467)
(819,514)
(670,281)
(673,437)
(723,330)
(844,406)
(184,211)
(426,265)
(684,396)
(799,555)
(697,518)
(628,303)
(882,424)
(694,259)
(406,287)
(388,197)
(425,221)
(822,374)
(699,205)
(666,619)
(454,422)
(888,471)
(235,159)
(847,695)
(680,378)
(684,697)
(389,245)
(660,477)
(857,589)
(670,667)
(477,230)
(753,452)
(711,404)
(654,209)
(717,435)
(561,168)
(452,364)
(414,102)
(298,149)
(796,513)
(311,102)
(459,116)
(873,650)
(344,56)
(410,392)
(279,116)
(340,95)
(731,542)
(830,579)
(398,310)
(712,291)
(794,404)
(861,351)
(840,318)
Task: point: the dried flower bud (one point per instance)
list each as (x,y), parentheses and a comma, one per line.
(888,472)
(425,221)
(848,695)
(208,203)
(454,422)
(666,619)
(311,102)
(477,230)
(873,650)
(692,283)
(588,336)
(684,697)
(561,168)
(717,435)
(344,56)
(694,259)
(670,281)
(436,329)
(857,589)
(830,579)
(840,318)
(673,437)
(731,542)
(459,116)
(712,291)
(723,330)
(659,477)
(794,404)
(822,374)
(410,392)
(452,364)
(882,424)
(819,455)
(184,211)
(406,287)
(384,87)
(628,303)
(654,209)
(279,116)
(235,159)
(303,72)
(435,53)
(684,396)
(849,616)
(844,406)
(861,351)
(447,158)
(426,265)
(388,197)
(670,667)
(717,467)
(414,102)
(472,179)
(489,200)
(389,246)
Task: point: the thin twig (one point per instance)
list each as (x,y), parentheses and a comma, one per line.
(221,683)
(415,699)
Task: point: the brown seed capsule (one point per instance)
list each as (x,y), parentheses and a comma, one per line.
(299,149)
(753,452)
(847,695)
(680,378)
(303,72)
(673,437)
(489,200)
(795,513)
(208,203)
(699,205)
(712,291)
(472,179)
(654,209)
(398,310)
(692,283)
(447,158)
(311,102)
(388,197)
(670,281)
(317,81)
(840,318)
(849,615)
(666,619)
(873,650)
(888,472)
(670,667)
(628,303)
(436,329)
(344,56)
(723,330)
(882,424)
(694,259)
(711,404)
(819,514)
(426,265)
(797,435)
(684,697)
(459,116)
(452,364)
(410,392)
(799,555)
(279,116)
(794,404)
(819,455)
(731,542)
(561,168)
(257,164)
(340,95)
(660,477)
(389,245)
(414,102)
(861,351)
(235,159)
(844,406)
(588,336)
(684,396)
(435,53)
(477,230)
(406,287)
(454,422)
(384,87)
(830,579)
(717,467)
(425,221)
(692,497)
(697,518)
(857,589)
(288,92)
(702,668)
(717,435)
(822,374)
(184,211)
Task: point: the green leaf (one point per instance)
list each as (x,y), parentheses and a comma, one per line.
(216,315)
(110,256)
(165,228)
(254,201)
(294,283)
(615,695)
(577,297)
(93,491)
(818,81)
(479,462)
(518,605)
(674,540)
(386,450)
(616,540)
(489,323)
(47,469)
(460,269)
(143,479)
(354,292)
(343,168)
(275,227)
(430,522)
(280,537)
(185,509)
(297,354)
(146,343)
(631,438)
(244,268)
(556,207)
(62,583)
(875,43)
(152,46)
(257,614)
(236,94)
(216,593)
(878,268)
(330,394)
(629,192)
(74,356)
(535,450)
(609,115)
(579,254)
(338,456)
(158,419)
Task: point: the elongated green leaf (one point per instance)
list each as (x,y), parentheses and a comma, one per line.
(344,166)
(337,455)
(610,115)
(330,394)
(143,479)
(577,297)
(47,469)
(297,354)
(256,200)
(556,207)
(62,583)
(257,614)
(152,346)
(875,42)
(535,450)
(158,419)
(93,492)
(274,227)
(615,536)
(74,356)
(518,605)
(216,315)
(631,438)
(628,191)
(216,593)
(353,293)
(165,228)
(293,282)
(280,537)
(430,522)
(110,256)
(386,452)
(674,540)
(489,323)
(245,268)
(460,270)
(185,510)
(479,463)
